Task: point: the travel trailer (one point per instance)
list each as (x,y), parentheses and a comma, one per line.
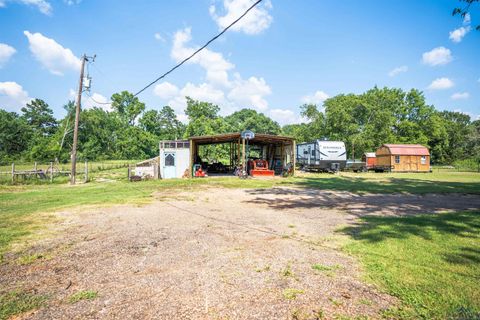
(322,155)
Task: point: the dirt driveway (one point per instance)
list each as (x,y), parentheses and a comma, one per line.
(214,254)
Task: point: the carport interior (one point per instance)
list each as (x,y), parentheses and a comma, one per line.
(234,152)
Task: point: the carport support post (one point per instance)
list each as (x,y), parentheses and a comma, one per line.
(294,160)
(244,156)
(86,171)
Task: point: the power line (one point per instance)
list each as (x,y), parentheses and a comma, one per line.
(198,50)
(91,98)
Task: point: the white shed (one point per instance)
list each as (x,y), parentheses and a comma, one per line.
(174,159)
(147,169)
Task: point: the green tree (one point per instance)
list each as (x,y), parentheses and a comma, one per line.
(15,135)
(465,9)
(301,132)
(457,127)
(127,106)
(248,119)
(40,117)
(99,134)
(164,123)
(197,109)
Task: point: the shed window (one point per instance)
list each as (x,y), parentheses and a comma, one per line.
(424,160)
(169,160)
(397,159)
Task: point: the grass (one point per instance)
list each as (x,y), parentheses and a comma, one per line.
(31,258)
(291,293)
(21,205)
(83,295)
(321,267)
(16,302)
(430,262)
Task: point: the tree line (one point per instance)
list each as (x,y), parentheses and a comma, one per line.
(130,131)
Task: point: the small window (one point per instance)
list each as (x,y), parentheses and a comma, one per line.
(169,160)
(313,153)
(424,160)
(397,159)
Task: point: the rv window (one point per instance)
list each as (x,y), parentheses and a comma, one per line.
(397,159)
(313,153)
(424,159)
(305,151)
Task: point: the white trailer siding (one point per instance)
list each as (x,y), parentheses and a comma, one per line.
(322,155)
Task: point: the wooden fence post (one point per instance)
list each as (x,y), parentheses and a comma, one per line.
(86,171)
(35,169)
(51,171)
(128,172)
(13,172)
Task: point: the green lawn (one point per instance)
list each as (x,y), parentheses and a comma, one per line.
(430,262)
(19,203)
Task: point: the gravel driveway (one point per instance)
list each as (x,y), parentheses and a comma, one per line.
(214,254)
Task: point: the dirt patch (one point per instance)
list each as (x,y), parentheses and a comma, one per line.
(214,254)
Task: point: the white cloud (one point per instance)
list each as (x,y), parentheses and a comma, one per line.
(213,62)
(72,2)
(397,71)
(460,96)
(159,37)
(6,52)
(165,90)
(42,5)
(257,20)
(458,34)
(203,92)
(13,96)
(96,100)
(54,57)
(284,116)
(441,84)
(467,19)
(437,56)
(230,92)
(317,98)
(250,93)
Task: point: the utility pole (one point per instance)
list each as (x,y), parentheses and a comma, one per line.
(77,116)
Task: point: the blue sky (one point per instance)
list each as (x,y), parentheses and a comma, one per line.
(284,54)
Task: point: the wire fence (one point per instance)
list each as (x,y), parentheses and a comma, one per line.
(42,172)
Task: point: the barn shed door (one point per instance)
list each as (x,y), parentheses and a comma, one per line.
(169,168)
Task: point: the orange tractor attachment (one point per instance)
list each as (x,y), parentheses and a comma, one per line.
(197,171)
(259,168)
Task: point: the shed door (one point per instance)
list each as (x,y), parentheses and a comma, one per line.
(169,168)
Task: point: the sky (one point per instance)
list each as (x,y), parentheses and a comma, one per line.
(281,55)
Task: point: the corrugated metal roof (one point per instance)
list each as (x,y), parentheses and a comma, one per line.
(233,137)
(370,154)
(408,149)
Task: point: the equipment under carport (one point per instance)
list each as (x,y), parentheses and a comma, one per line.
(197,171)
(259,168)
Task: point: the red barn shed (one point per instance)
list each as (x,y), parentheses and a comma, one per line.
(370,160)
(404,157)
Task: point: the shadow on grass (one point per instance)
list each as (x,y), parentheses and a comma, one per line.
(310,201)
(388,185)
(376,229)
(464,255)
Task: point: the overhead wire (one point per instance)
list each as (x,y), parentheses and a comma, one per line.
(199,49)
